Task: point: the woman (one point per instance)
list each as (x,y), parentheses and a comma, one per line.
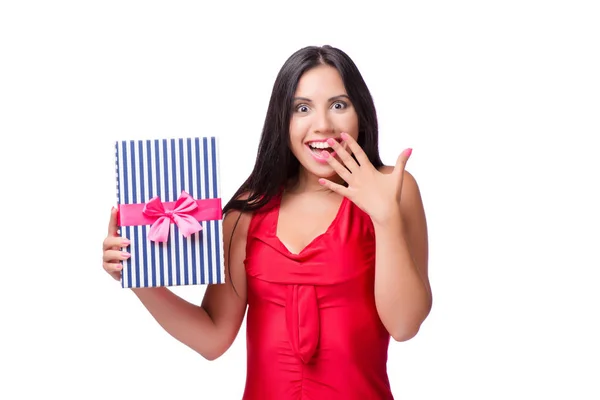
(323,295)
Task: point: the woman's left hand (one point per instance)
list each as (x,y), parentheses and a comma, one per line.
(376,193)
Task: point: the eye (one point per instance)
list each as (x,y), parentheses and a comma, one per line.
(339,105)
(302,108)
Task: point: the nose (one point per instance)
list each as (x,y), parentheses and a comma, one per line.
(322,123)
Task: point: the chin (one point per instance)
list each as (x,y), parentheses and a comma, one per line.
(313,168)
(319,168)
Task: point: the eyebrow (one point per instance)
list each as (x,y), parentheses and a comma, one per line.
(339,96)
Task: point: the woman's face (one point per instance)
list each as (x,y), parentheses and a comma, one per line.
(321,110)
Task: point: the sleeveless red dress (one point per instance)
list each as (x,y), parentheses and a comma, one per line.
(313,332)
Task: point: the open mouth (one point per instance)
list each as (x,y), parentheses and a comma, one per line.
(319,146)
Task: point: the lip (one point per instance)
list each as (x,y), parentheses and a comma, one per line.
(316,156)
(339,140)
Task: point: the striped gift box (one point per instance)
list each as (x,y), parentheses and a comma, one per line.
(159,175)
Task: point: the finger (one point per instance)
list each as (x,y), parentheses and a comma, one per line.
(115,243)
(113,228)
(115,255)
(116,275)
(337,167)
(341,152)
(334,187)
(355,148)
(401,162)
(112,267)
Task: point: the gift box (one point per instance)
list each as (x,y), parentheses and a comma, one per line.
(168,196)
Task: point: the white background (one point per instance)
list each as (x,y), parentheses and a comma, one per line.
(500,101)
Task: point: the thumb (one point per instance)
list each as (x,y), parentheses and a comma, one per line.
(113,228)
(401,162)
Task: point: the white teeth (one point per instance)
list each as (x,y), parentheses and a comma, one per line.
(319,145)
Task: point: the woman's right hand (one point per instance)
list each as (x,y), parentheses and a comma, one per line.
(111,247)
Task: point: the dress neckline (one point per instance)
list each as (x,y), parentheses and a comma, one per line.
(316,239)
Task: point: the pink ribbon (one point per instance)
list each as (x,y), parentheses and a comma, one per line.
(185,213)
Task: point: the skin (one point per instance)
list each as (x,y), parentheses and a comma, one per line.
(322,110)
(390,196)
(210,328)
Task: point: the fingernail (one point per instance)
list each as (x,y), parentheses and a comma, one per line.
(344,135)
(119,266)
(331,142)
(125,254)
(408,152)
(322,181)
(325,154)
(126,242)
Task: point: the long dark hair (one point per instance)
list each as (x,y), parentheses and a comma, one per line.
(275,163)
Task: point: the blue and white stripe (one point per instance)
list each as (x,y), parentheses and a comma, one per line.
(165,167)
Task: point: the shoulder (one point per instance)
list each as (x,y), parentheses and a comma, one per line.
(411,195)
(409,182)
(236,223)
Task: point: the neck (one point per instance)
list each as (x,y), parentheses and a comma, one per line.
(307,183)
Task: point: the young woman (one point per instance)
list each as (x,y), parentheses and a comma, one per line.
(326,247)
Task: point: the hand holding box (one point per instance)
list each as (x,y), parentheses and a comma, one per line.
(168,195)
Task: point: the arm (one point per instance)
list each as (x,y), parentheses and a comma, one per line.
(211,328)
(391,197)
(402,290)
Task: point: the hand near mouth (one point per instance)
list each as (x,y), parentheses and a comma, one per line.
(376,193)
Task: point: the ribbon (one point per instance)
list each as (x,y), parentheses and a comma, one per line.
(185,213)
(302,320)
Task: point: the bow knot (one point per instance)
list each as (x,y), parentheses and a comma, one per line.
(180,215)
(169,213)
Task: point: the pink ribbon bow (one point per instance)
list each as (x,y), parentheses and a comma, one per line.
(181,215)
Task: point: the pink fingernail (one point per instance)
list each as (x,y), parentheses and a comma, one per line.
(408,152)
(344,135)
(325,154)
(331,142)
(125,254)
(322,181)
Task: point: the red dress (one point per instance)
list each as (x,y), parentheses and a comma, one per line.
(313,332)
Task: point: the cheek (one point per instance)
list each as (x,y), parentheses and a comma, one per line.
(349,123)
(297,132)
